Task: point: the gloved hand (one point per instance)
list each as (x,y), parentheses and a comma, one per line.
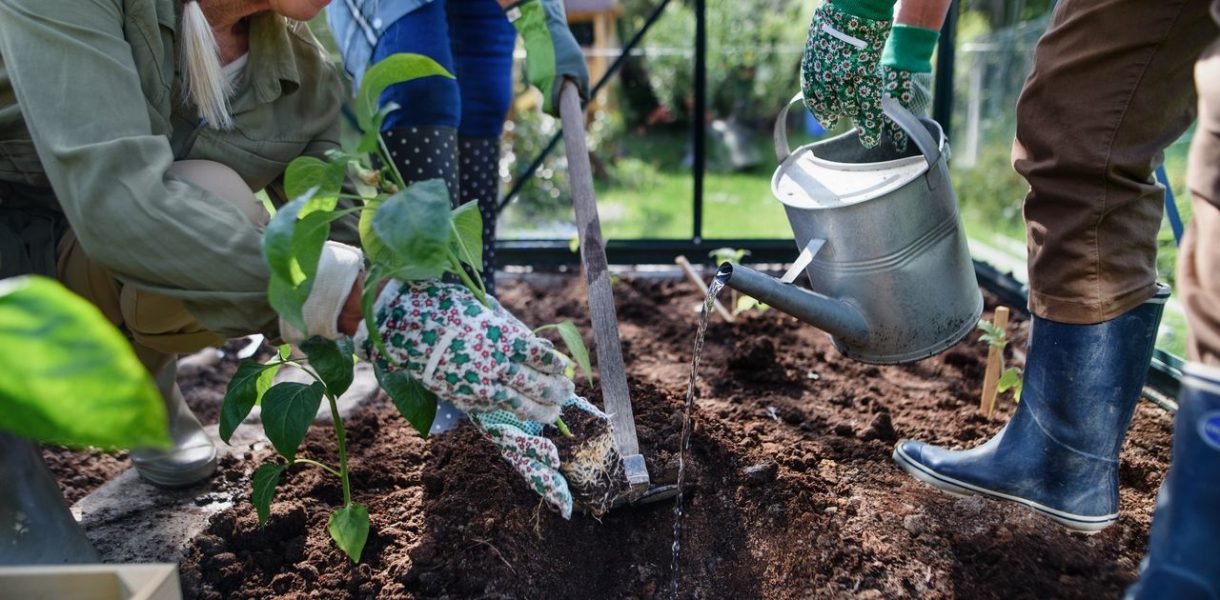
(840,75)
(590,462)
(478,358)
(551,52)
(906,71)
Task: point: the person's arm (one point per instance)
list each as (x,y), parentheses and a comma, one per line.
(929,14)
(552,54)
(79,89)
(914,35)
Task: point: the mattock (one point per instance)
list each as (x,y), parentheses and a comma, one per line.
(615,397)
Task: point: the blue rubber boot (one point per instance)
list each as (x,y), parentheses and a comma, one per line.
(1059,453)
(1182,561)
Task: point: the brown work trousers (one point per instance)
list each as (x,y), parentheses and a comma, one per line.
(1111,88)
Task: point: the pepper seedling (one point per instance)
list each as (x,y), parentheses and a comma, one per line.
(995,381)
(408,232)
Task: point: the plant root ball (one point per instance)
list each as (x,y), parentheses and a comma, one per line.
(590,461)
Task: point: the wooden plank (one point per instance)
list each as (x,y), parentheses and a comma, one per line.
(616,398)
(995,364)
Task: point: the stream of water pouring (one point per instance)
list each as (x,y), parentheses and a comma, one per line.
(684,442)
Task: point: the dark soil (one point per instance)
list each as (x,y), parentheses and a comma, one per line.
(793,495)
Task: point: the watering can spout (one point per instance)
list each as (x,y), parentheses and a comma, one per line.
(836,317)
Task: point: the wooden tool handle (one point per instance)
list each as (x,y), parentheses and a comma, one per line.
(613,373)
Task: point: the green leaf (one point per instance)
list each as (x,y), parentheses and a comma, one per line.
(1010,379)
(349,527)
(468,236)
(266,477)
(415,226)
(245,389)
(414,402)
(994,336)
(320,181)
(745,303)
(288,410)
(396,68)
(67,376)
(292,245)
(575,343)
(332,361)
(733,255)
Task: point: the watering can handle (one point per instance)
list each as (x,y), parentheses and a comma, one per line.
(895,111)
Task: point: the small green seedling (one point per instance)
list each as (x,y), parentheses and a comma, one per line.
(408,232)
(1010,378)
(741,302)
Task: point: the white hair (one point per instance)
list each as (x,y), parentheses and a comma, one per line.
(204,80)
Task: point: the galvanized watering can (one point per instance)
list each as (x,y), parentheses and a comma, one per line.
(880,239)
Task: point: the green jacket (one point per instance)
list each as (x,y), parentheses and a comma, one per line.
(90,106)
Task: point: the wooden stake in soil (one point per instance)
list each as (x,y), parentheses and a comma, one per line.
(698,281)
(611,370)
(995,363)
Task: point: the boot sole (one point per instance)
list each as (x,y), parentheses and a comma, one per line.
(1080,523)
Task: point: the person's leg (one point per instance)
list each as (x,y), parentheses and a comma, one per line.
(1110,89)
(483,42)
(422,135)
(161,328)
(1182,561)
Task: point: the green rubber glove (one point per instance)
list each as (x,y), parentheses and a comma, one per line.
(478,358)
(551,52)
(840,76)
(536,457)
(906,71)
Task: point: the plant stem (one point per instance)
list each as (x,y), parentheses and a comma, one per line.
(461,273)
(466,251)
(563,428)
(341,435)
(384,152)
(324,467)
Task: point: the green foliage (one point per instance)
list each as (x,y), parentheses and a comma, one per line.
(994,336)
(1010,379)
(753,58)
(349,527)
(417,229)
(266,477)
(288,411)
(67,376)
(745,303)
(414,402)
(733,255)
(576,346)
(245,389)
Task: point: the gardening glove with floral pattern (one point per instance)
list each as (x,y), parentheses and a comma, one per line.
(906,71)
(478,358)
(586,465)
(551,52)
(840,76)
